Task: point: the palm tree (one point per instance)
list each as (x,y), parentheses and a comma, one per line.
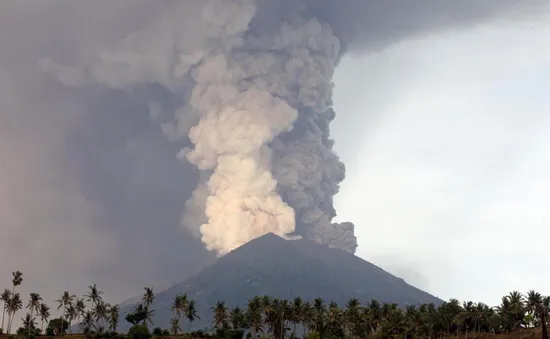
(71,314)
(44,315)
(545,311)
(100,312)
(334,325)
(511,313)
(29,323)
(296,312)
(352,316)
(87,322)
(148,298)
(319,313)
(114,313)
(175,326)
(307,317)
(220,314)
(191,313)
(33,305)
(236,318)
(17,280)
(5,297)
(536,307)
(64,302)
(80,308)
(14,304)
(180,305)
(94,295)
(254,316)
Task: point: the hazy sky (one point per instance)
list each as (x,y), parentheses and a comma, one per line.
(446,144)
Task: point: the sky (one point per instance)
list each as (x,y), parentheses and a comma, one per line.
(443,134)
(445,140)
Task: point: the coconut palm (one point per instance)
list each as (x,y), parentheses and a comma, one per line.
(71,314)
(180,305)
(94,295)
(87,322)
(14,304)
(296,312)
(148,298)
(175,326)
(237,318)
(100,312)
(307,317)
(191,313)
(80,308)
(5,297)
(352,317)
(254,316)
(28,323)
(220,314)
(64,301)
(16,280)
(33,305)
(536,307)
(319,314)
(114,313)
(44,315)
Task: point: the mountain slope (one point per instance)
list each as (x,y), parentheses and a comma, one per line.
(272,266)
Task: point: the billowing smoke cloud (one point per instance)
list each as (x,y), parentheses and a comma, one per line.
(254,84)
(243,93)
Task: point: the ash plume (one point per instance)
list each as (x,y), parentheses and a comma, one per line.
(252,83)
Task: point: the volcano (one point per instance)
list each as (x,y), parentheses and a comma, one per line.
(285,269)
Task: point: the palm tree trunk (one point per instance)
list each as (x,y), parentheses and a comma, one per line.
(10,318)
(63,320)
(3,314)
(10,321)
(29,326)
(544,330)
(93,303)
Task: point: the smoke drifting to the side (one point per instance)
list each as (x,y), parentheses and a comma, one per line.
(252,80)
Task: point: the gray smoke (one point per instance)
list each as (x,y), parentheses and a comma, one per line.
(253,79)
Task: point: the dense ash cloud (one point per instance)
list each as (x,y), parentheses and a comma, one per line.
(86,87)
(246,74)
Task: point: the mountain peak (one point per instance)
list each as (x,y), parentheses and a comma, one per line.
(271,265)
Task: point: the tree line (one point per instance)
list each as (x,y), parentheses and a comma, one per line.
(267,317)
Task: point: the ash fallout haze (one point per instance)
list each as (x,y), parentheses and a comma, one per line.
(99,97)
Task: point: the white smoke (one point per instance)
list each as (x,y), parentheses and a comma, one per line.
(240,92)
(238,97)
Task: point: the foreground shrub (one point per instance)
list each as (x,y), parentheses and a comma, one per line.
(139,332)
